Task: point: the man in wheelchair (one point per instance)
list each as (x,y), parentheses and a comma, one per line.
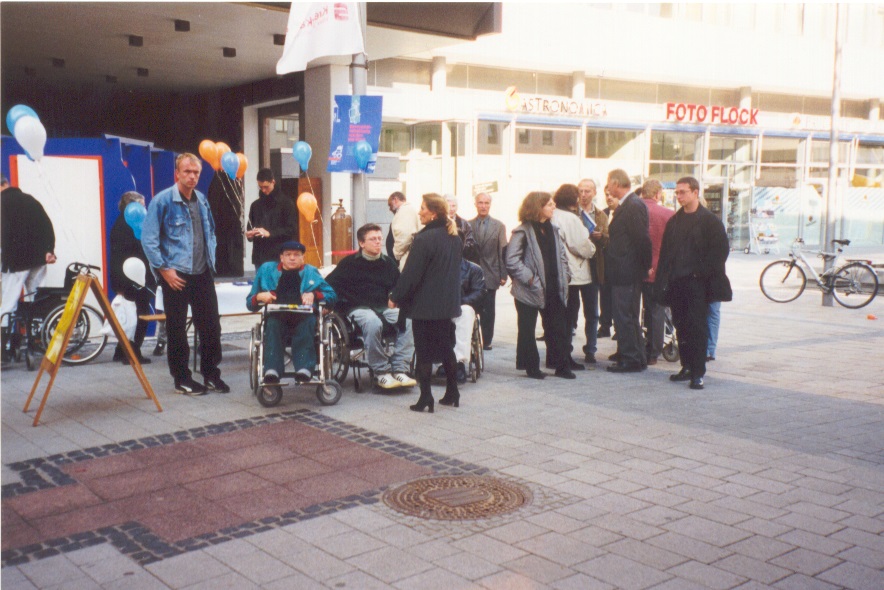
(472,292)
(363,281)
(293,282)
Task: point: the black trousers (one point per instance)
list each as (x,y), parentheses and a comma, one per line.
(556,334)
(689,312)
(625,305)
(606,318)
(654,317)
(590,295)
(199,293)
(142,307)
(486,316)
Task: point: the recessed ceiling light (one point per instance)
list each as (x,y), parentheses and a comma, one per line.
(57,62)
(229,52)
(182,26)
(142,72)
(136,41)
(278,39)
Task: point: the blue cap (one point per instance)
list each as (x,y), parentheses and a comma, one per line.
(292,245)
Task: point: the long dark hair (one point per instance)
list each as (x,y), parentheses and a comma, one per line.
(530,208)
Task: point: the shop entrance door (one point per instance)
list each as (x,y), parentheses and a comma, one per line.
(731,203)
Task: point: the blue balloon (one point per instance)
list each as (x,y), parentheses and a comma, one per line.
(362,152)
(230,163)
(302,152)
(134,214)
(16,113)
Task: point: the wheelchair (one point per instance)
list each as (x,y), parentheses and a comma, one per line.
(330,346)
(352,351)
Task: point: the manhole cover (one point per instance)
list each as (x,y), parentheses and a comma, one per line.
(466,497)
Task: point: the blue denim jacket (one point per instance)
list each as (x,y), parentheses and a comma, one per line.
(167,233)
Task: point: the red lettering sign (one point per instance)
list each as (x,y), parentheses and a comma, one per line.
(714,114)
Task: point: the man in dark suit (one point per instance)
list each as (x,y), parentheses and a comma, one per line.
(490,235)
(627,262)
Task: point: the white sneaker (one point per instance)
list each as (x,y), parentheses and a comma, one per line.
(404,380)
(387,381)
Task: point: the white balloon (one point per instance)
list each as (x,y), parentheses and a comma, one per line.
(134,269)
(31,135)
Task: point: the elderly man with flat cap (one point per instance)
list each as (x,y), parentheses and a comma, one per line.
(289,281)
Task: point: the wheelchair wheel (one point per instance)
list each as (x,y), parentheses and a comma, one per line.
(328,393)
(670,351)
(86,341)
(255,359)
(337,348)
(270,395)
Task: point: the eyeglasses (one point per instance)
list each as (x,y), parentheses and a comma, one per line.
(374,239)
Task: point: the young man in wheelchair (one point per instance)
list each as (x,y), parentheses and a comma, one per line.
(363,282)
(289,281)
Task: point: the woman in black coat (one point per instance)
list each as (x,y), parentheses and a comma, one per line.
(124,245)
(428,291)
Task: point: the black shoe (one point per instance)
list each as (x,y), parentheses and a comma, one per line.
(589,358)
(451,398)
(190,387)
(536,374)
(614,357)
(565,373)
(604,333)
(618,368)
(303,375)
(159,349)
(461,374)
(710,358)
(119,355)
(271,377)
(696,383)
(217,385)
(683,375)
(142,360)
(487,347)
(575,366)
(421,405)
(652,360)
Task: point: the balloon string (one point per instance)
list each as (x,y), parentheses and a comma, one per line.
(237,206)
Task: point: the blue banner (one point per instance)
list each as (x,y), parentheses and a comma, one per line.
(355,118)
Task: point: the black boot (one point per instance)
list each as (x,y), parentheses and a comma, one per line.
(424,370)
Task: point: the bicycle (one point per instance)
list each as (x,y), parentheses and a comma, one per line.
(854,283)
(31,326)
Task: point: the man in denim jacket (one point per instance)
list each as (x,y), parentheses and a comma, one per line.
(178,237)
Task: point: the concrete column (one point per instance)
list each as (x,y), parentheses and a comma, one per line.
(321,84)
(874,109)
(439,75)
(745,97)
(578,85)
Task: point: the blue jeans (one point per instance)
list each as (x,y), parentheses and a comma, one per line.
(301,328)
(714,320)
(372,330)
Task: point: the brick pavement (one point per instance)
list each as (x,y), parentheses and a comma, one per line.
(770,477)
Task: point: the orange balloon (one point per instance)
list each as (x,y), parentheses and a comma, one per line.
(209,153)
(243,164)
(307,206)
(222,148)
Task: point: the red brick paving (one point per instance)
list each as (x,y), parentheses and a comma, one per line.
(190,488)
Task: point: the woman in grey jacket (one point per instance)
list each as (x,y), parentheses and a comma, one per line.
(537,263)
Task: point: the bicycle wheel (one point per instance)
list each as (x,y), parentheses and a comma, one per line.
(86,341)
(782,281)
(854,285)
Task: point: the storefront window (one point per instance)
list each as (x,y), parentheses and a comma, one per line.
(780,150)
(819,151)
(672,172)
(726,148)
(491,138)
(557,142)
(676,146)
(395,137)
(870,162)
(428,138)
(618,144)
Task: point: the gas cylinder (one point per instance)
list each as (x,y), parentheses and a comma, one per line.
(341,233)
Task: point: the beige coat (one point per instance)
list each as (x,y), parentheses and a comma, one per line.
(403,227)
(578,247)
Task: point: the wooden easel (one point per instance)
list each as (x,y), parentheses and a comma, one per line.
(62,336)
